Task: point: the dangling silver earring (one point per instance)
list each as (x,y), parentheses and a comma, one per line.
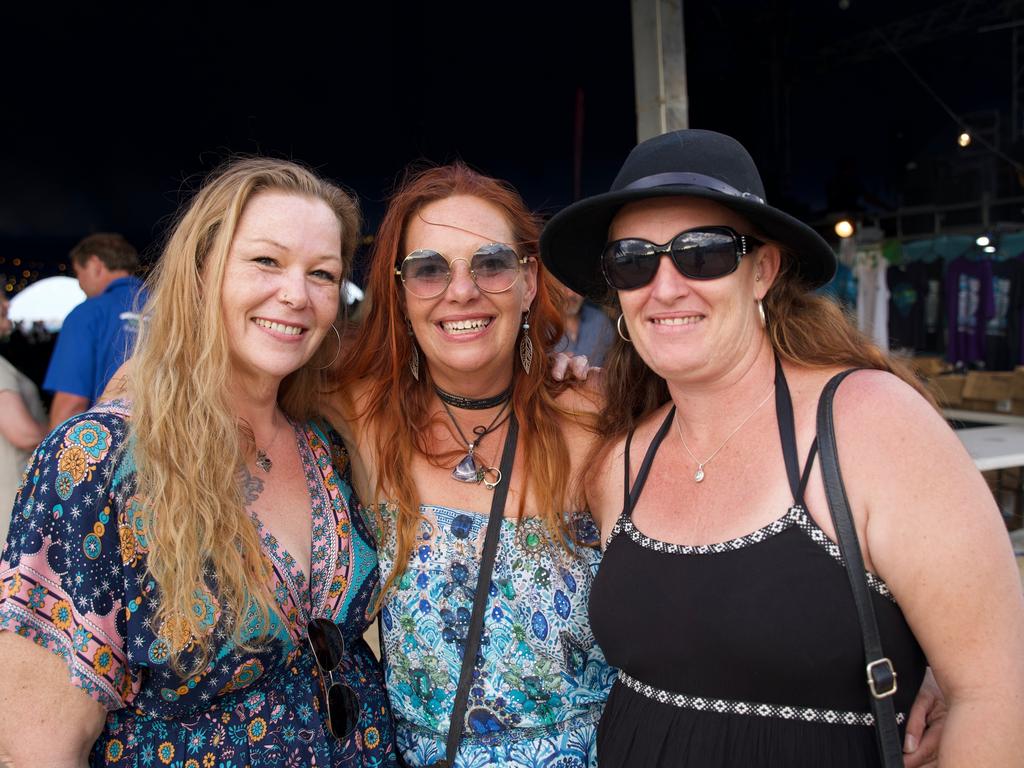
(760,311)
(526,345)
(618,327)
(336,354)
(414,358)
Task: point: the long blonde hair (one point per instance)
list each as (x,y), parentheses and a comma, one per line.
(401,408)
(187,442)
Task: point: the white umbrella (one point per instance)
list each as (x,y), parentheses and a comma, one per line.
(48,300)
(352,292)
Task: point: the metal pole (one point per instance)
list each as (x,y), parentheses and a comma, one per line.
(659,67)
(1015,126)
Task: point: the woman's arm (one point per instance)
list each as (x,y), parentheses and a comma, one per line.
(47,721)
(934,534)
(17,425)
(63,664)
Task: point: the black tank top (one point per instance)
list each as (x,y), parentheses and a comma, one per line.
(745,652)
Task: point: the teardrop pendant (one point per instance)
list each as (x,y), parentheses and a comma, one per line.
(698,476)
(467,470)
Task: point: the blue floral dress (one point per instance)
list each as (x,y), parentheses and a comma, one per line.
(540,681)
(74,580)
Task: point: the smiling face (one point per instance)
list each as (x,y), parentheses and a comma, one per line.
(684,328)
(465,330)
(281,285)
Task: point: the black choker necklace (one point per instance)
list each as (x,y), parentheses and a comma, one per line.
(470,403)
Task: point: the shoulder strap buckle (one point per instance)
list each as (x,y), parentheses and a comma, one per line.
(881,678)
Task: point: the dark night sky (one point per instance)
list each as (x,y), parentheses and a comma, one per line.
(111,116)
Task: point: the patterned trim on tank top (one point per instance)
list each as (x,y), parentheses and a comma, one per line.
(730,707)
(795,515)
(818,536)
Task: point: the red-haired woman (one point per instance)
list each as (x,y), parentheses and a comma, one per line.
(451,359)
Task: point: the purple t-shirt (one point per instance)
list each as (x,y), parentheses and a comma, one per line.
(970,303)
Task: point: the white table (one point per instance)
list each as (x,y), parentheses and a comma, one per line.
(996,447)
(981,417)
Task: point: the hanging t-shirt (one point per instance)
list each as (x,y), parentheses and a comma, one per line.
(970,303)
(872,297)
(1003,331)
(914,319)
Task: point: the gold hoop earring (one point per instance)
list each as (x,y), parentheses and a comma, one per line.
(337,353)
(618,327)
(761,312)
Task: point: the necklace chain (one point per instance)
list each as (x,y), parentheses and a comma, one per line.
(468,470)
(698,476)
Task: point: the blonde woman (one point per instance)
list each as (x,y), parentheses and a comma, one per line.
(185,581)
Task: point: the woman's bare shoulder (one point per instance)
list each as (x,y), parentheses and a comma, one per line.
(585,398)
(346,407)
(872,397)
(606,478)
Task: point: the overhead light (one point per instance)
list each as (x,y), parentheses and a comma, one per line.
(989,249)
(964,139)
(844,228)
(983,240)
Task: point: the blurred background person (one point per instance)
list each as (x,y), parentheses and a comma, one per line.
(22,425)
(99,333)
(588,330)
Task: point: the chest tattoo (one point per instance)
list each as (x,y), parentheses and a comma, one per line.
(252,486)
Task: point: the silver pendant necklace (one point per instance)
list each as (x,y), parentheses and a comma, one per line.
(468,470)
(263,461)
(698,476)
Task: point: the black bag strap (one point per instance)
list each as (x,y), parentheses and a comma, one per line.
(476,622)
(881,676)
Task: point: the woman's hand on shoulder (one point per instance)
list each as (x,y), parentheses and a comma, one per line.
(566,367)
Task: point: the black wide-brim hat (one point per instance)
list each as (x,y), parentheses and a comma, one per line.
(690,163)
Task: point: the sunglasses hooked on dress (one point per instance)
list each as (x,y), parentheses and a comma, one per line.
(704,253)
(342,702)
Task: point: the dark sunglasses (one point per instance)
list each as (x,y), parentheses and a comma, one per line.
(704,253)
(342,702)
(494,268)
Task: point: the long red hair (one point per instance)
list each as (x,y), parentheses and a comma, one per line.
(397,406)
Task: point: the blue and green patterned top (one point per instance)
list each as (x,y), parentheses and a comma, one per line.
(73,578)
(540,680)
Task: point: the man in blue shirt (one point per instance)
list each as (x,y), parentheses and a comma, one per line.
(588,330)
(99,333)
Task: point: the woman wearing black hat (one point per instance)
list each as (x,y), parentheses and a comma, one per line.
(723,596)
